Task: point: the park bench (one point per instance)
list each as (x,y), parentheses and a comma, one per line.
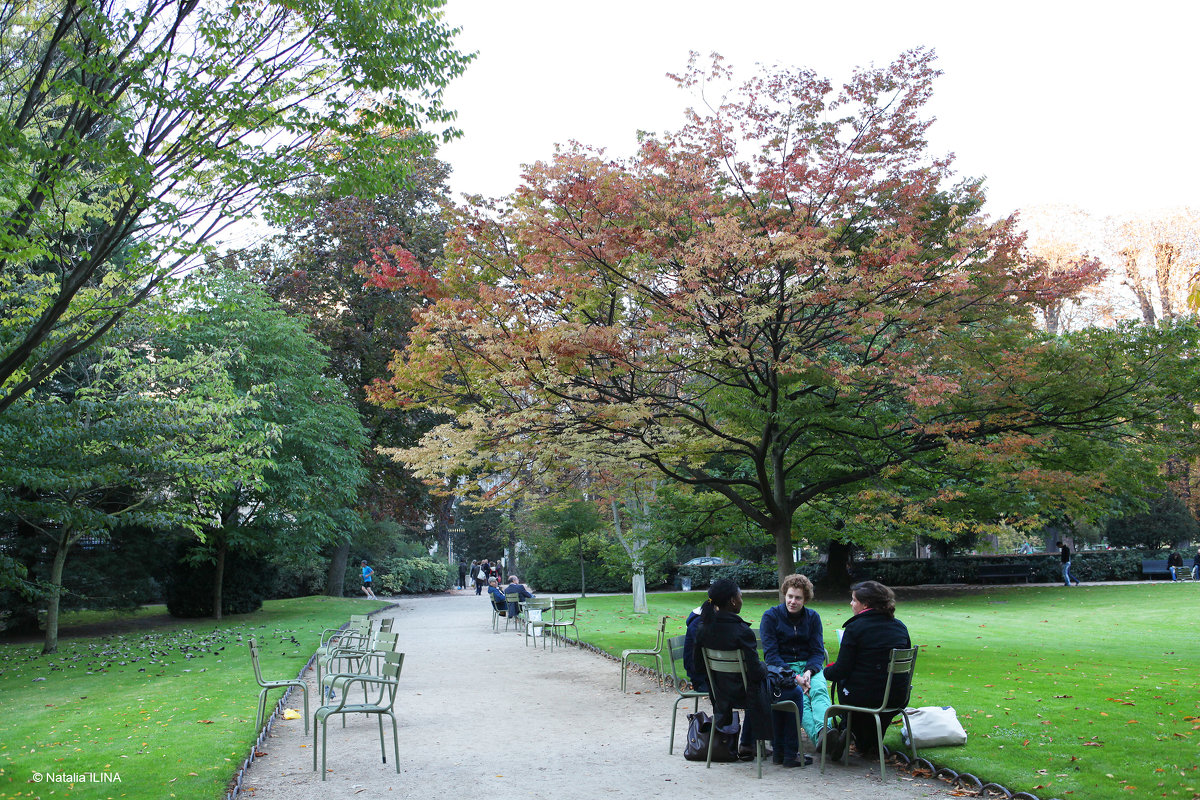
(988,572)
(1158,566)
(1155,566)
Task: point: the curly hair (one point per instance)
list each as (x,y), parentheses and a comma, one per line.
(800,582)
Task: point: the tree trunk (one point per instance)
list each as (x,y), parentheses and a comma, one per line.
(52,607)
(640,606)
(837,571)
(335,578)
(782,532)
(582,571)
(219,578)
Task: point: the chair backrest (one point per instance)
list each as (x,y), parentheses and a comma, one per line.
(662,633)
(727,661)
(386,641)
(385,625)
(902,663)
(254,660)
(675,650)
(563,611)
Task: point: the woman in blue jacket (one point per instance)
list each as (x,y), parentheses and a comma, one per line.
(792,637)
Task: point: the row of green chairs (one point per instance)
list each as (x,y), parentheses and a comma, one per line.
(356,655)
(562,613)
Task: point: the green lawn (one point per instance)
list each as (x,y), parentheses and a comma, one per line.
(170,709)
(1091,692)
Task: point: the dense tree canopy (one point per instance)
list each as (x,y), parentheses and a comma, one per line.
(789,303)
(148,128)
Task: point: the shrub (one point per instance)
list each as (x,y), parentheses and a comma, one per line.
(563,576)
(411,576)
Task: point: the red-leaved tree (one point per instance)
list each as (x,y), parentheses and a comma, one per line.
(790,303)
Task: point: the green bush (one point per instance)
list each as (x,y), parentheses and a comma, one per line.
(411,576)
(746,576)
(563,577)
(1097,565)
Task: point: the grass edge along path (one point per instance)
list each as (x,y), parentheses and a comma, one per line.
(170,709)
(1090,692)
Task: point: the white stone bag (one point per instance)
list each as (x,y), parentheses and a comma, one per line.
(934,726)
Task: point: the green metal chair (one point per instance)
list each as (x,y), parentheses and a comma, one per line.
(497,613)
(512,607)
(357,631)
(354,662)
(675,651)
(536,619)
(382,705)
(733,662)
(902,663)
(267,686)
(655,653)
(562,616)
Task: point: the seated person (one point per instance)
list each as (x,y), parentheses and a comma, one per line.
(722,629)
(498,599)
(522,592)
(792,636)
(1174,564)
(861,669)
(692,665)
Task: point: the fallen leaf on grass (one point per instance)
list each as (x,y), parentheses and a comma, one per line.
(206,722)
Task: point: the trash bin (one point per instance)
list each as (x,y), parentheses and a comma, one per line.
(685,583)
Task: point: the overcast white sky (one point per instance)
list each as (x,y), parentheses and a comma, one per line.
(1093,104)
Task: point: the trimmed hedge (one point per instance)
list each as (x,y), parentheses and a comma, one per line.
(563,577)
(1098,565)
(746,576)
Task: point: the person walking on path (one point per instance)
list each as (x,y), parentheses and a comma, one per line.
(462,573)
(482,573)
(368,576)
(1196,567)
(1065,551)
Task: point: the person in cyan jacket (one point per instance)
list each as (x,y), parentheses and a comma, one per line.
(722,629)
(861,669)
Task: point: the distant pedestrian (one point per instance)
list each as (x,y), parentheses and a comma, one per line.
(1196,567)
(1065,552)
(368,576)
(481,576)
(462,573)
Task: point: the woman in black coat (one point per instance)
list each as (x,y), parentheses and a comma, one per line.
(861,669)
(722,629)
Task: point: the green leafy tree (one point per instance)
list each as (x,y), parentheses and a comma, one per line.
(308,493)
(134,445)
(317,269)
(1166,522)
(153,127)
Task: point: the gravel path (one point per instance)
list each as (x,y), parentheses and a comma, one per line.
(557,728)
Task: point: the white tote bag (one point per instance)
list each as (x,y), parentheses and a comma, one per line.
(934,726)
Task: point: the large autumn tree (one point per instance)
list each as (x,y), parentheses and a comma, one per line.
(790,303)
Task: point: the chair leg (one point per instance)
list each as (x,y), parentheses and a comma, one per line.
(879,740)
(674,716)
(382,746)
